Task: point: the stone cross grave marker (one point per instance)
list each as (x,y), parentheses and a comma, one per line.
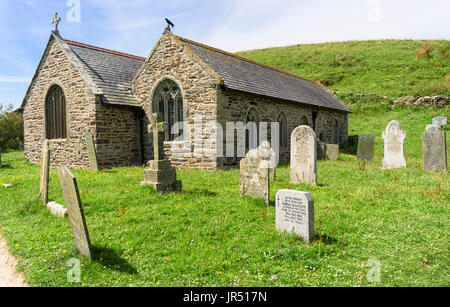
(158,128)
(295,213)
(160,174)
(75,212)
(303,156)
(255,176)
(93,163)
(366,147)
(434,149)
(394,138)
(269,154)
(45,169)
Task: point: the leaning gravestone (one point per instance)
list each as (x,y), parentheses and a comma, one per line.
(45,168)
(442,121)
(434,146)
(93,163)
(303,156)
(75,212)
(394,138)
(269,154)
(160,174)
(255,176)
(366,146)
(295,213)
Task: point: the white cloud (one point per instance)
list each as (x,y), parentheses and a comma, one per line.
(14,79)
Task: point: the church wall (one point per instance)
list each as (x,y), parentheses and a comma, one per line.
(80,112)
(171,60)
(118,136)
(233,107)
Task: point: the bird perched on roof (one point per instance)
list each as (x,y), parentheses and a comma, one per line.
(170,24)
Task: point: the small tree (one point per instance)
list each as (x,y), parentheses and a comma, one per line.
(11,128)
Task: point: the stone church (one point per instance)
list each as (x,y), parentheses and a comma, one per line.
(78,87)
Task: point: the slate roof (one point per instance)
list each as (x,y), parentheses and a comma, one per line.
(111,71)
(248,76)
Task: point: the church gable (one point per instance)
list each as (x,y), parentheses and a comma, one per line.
(56,70)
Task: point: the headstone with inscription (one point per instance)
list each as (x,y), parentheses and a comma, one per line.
(366,147)
(92,154)
(434,149)
(255,176)
(394,138)
(303,156)
(45,169)
(75,212)
(295,213)
(160,174)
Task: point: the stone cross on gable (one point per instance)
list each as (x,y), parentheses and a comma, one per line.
(56,20)
(158,127)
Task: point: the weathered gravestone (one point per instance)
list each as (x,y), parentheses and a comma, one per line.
(303,156)
(269,154)
(394,138)
(366,147)
(327,151)
(255,176)
(57,209)
(295,213)
(45,168)
(434,146)
(160,174)
(75,212)
(92,154)
(442,121)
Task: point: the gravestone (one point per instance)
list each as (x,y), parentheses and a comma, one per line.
(394,138)
(366,147)
(303,156)
(295,213)
(57,209)
(92,154)
(434,149)
(45,169)
(269,154)
(255,176)
(442,121)
(160,174)
(75,212)
(327,151)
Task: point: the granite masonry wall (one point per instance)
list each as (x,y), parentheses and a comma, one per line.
(115,129)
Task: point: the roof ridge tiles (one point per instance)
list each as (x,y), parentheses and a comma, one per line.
(104,50)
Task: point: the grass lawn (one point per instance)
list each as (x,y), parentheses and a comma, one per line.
(210,236)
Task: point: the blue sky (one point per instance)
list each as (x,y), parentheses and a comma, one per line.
(133,26)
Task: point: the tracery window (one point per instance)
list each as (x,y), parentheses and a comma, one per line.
(168,100)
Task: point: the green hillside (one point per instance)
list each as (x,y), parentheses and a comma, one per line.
(391,68)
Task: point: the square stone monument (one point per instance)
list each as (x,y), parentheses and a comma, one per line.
(295,213)
(255,176)
(303,156)
(366,147)
(75,212)
(45,169)
(394,138)
(160,174)
(434,149)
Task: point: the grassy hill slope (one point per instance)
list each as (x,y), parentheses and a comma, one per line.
(389,68)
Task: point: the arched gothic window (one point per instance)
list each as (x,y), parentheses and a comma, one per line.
(55,113)
(304,121)
(252,131)
(168,100)
(335,132)
(283,133)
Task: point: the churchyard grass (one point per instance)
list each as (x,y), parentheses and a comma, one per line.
(210,236)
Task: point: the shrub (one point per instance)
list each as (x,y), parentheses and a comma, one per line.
(11,128)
